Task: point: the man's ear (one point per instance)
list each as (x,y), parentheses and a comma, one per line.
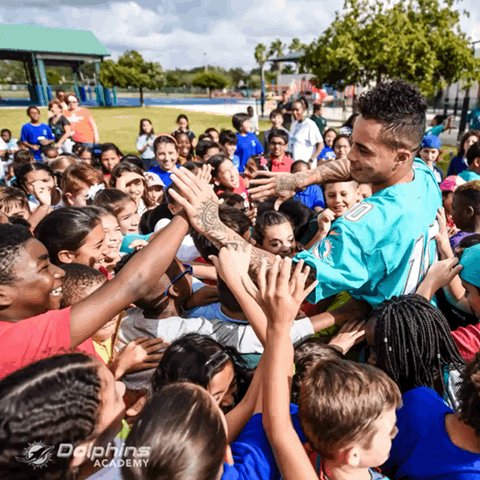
(66,256)
(404,156)
(7,294)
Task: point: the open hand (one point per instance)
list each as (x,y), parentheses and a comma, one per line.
(140,354)
(281,292)
(43,193)
(198,201)
(352,332)
(232,263)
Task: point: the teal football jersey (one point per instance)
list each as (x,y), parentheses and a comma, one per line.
(382,246)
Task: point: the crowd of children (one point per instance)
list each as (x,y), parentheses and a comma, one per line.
(154,307)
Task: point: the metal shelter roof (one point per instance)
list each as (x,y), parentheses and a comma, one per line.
(32,38)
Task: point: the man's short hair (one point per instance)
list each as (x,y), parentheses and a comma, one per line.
(339,402)
(400,108)
(277,132)
(12,241)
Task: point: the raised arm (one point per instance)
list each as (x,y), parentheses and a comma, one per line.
(284,185)
(201,205)
(133,281)
(282,299)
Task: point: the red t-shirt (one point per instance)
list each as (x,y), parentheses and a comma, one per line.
(467,340)
(34,338)
(281,165)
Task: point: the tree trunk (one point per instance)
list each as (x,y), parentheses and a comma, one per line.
(142,103)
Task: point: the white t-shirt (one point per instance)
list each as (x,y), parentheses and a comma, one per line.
(233,333)
(303,138)
(187,252)
(143,140)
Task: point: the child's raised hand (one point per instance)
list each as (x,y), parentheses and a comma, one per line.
(281,291)
(232,263)
(198,201)
(352,332)
(139,354)
(442,237)
(204,174)
(138,244)
(42,193)
(324,221)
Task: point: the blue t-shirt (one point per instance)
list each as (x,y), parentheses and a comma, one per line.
(382,246)
(312,197)
(422,449)
(165,176)
(327,154)
(30,133)
(247,146)
(252,453)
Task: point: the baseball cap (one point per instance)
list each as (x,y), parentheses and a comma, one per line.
(450,183)
(153,179)
(431,141)
(470,261)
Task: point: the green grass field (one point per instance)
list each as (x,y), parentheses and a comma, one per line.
(120,125)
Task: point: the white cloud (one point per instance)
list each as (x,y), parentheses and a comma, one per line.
(176,33)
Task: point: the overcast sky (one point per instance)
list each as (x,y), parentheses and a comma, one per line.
(186,33)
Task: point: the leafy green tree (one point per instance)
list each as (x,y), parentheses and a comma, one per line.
(210,80)
(12,71)
(132,70)
(417,40)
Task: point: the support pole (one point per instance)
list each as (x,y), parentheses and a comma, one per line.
(42,82)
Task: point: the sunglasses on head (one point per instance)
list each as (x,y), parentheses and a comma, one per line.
(188,270)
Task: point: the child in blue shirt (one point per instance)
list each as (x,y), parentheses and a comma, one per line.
(433,441)
(311,196)
(36,134)
(248,144)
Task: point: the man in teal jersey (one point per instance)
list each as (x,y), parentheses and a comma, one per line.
(383,246)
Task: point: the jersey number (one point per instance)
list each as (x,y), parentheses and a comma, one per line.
(419,261)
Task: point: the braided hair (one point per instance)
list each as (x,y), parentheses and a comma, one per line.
(413,343)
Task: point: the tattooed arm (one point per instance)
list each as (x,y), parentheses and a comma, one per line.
(284,185)
(201,205)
